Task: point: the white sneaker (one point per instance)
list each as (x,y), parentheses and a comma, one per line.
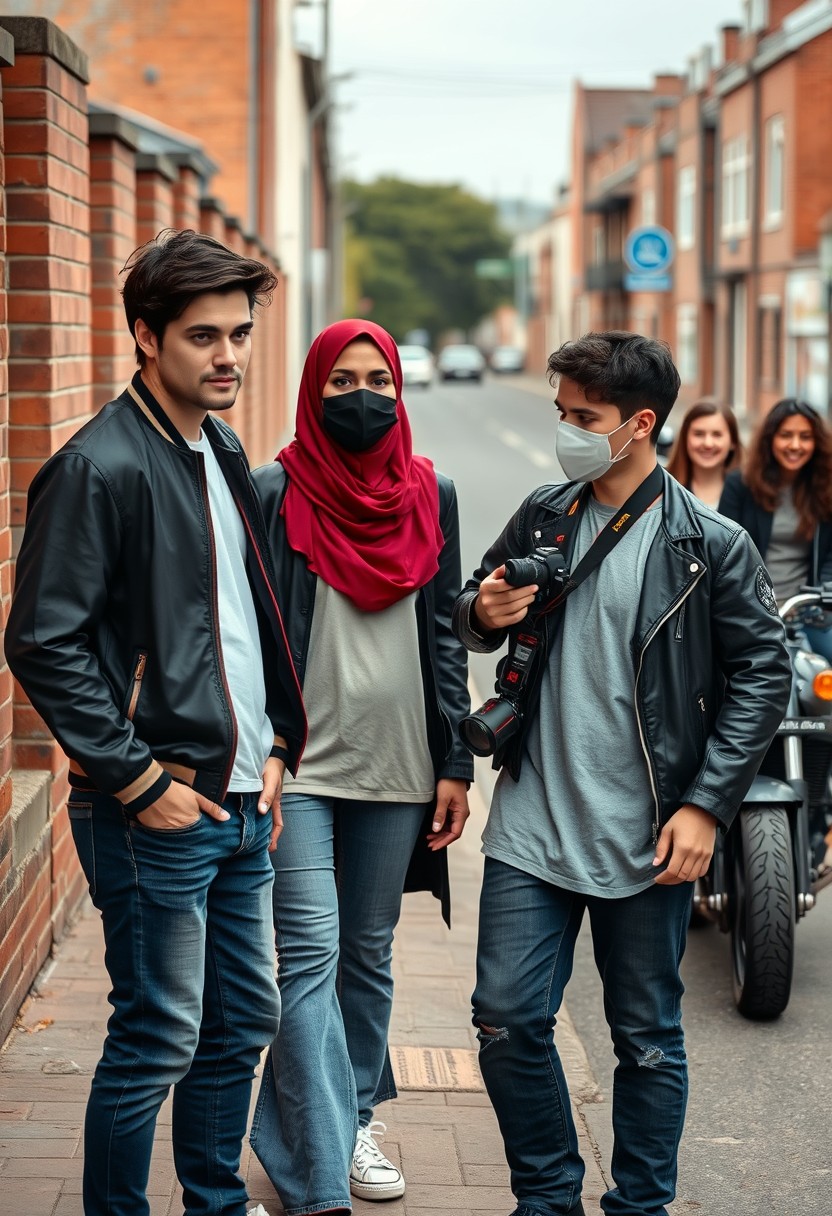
(372,1176)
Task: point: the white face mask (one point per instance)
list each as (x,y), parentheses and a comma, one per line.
(585,455)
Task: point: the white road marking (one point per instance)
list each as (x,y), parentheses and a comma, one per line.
(517,443)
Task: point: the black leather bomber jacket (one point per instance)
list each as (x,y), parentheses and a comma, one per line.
(114,632)
(711,670)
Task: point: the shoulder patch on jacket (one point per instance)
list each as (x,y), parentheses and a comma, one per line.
(765,591)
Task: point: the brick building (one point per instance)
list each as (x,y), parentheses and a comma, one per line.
(733,160)
(81,186)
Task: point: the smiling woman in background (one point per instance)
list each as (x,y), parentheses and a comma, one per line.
(784,500)
(707,449)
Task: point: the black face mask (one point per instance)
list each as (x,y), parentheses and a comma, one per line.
(358,420)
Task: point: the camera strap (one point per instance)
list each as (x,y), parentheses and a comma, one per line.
(608,537)
(517,666)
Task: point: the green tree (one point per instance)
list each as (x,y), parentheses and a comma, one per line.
(411,255)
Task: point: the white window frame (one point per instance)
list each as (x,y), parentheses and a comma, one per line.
(687,342)
(686,208)
(736,174)
(774,171)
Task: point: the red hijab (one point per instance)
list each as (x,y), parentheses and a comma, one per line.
(367,522)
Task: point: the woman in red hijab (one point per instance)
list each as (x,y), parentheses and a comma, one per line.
(365,540)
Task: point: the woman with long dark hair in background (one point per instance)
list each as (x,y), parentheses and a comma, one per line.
(783,498)
(707,449)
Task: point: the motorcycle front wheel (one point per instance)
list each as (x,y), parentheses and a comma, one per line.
(763,918)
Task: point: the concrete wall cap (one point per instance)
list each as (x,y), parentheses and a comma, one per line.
(6,49)
(209,203)
(157,162)
(39,36)
(105,125)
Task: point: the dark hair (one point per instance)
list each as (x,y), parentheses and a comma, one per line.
(622,369)
(813,483)
(680,464)
(168,273)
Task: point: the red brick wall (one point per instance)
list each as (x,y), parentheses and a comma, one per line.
(155,178)
(6,685)
(113,231)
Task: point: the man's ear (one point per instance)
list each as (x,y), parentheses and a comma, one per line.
(146,340)
(646,424)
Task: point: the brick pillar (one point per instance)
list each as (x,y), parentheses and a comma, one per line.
(212,218)
(186,192)
(255,380)
(155,178)
(7,946)
(49,372)
(113,143)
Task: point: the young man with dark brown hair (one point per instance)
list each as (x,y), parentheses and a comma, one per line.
(659,680)
(145,630)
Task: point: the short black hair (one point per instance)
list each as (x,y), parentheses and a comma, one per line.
(165,275)
(622,369)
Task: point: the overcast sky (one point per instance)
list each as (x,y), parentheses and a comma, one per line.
(479,91)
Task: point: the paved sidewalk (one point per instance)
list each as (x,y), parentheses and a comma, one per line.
(446,1139)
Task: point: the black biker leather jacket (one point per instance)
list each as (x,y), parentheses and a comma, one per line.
(443,661)
(712,674)
(114,631)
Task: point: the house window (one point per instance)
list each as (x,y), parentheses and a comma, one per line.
(648,207)
(686,207)
(770,342)
(687,343)
(775,170)
(736,164)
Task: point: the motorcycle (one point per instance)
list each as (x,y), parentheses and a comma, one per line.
(767,869)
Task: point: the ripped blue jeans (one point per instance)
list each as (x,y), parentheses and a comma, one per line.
(526,945)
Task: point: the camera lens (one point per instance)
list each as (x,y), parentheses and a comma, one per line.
(522,571)
(477,736)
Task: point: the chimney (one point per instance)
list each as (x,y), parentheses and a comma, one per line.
(730,43)
(668,84)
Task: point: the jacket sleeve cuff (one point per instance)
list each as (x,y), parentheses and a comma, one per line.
(145,790)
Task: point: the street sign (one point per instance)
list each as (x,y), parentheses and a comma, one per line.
(494,268)
(648,252)
(647,282)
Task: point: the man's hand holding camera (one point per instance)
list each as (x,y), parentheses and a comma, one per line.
(499,605)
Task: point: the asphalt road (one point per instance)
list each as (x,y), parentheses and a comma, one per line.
(757,1139)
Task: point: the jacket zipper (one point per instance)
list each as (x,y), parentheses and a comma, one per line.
(206,502)
(676,604)
(138,676)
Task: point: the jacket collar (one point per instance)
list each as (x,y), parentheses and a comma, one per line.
(678,507)
(159,420)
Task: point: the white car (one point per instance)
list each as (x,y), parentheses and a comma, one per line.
(417,365)
(461,362)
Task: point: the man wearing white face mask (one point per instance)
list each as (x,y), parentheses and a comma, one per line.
(657,679)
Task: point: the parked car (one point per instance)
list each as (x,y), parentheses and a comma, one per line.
(417,365)
(460,362)
(508,359)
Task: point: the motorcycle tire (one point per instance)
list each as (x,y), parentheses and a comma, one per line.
(763,919)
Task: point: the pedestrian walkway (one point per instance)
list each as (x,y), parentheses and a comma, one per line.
(442,1131)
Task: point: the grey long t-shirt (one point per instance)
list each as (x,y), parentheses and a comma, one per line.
(581,815)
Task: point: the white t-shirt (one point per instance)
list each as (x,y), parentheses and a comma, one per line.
(239,637)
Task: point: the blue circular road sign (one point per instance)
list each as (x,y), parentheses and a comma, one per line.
(649,250)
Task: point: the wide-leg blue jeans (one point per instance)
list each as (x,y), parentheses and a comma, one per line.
(340,868)
(527,936)
(189,951)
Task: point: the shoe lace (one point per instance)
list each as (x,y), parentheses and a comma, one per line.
(367,1152)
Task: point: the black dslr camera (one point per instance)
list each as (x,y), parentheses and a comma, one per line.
(490,726)
(545,566)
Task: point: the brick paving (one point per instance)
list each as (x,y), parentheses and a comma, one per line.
(446,1142)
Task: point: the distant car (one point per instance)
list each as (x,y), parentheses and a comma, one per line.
(460,363)
(508,359)
(417,365)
